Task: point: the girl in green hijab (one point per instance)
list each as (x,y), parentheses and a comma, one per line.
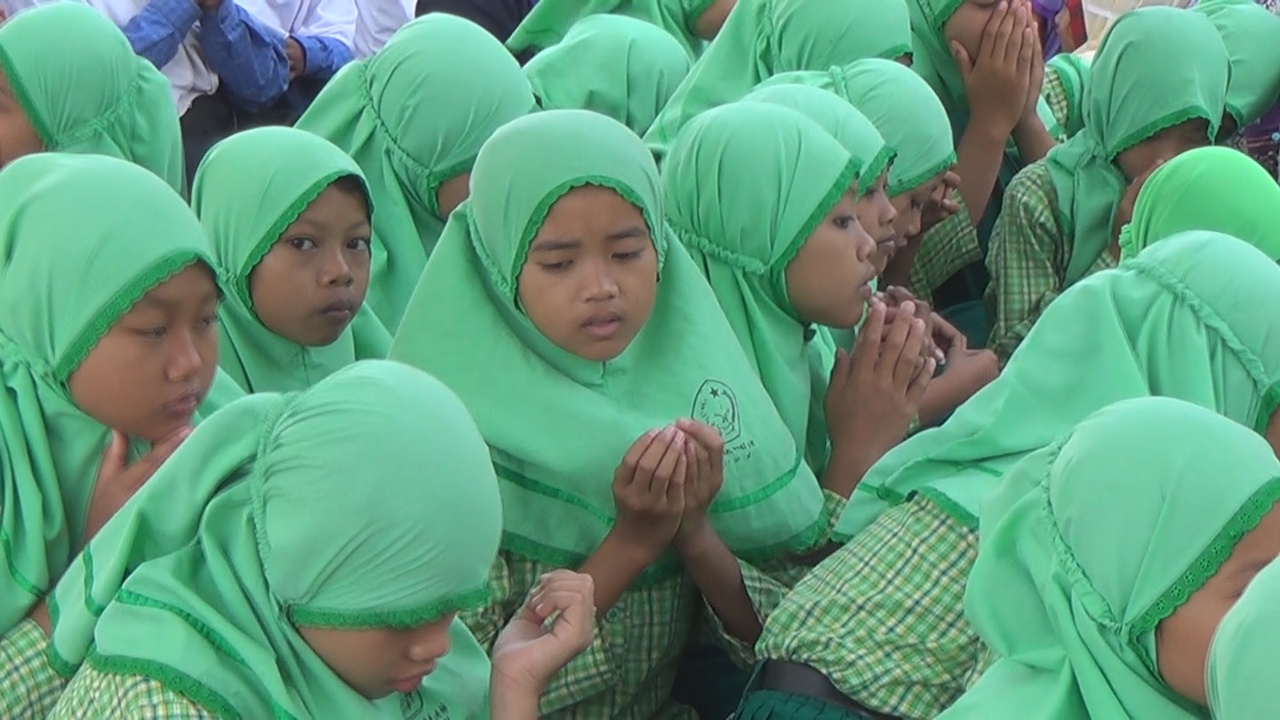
(70,82)
(691,22)
(288,217)
(1180,320)
(1212,188)
(765,37)
(1065,77)
(611,64)
(1145,102)
(1252,36)
(1240,679)
(1106,609)
(247,580)
(109,342)
(413,117)
(588,347)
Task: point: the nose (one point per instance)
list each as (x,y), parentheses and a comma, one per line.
(601,284)
(864,245)
(185,359)
(430,642)
(887,212)
(336,271)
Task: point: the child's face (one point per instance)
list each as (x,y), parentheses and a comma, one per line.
(1164,145)
(312,282)
(1183,638)
(452,192)
(910,209)
(876,213)
(379,662)
(152,369)
(591,278)
(967,23)
(827,279)
(17,136)
(708,24)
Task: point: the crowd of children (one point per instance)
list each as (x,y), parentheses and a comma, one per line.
(596,359)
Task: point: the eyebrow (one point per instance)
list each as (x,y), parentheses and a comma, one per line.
(358,224)
(553,244)
(167,304)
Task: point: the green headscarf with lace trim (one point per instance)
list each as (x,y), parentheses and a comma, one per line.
(1072,72)
(413,117)
(249,188)
(1252,36)
(1180,320)
(615,65)
(85,91)
(552,21)
(1136,89)
(1241,674)
(745,185)
(558,425)
(82,238)
(1211,188)
(365,502)
(1091,543)
(762,38)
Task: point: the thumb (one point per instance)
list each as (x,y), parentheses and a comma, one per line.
(117,452)
(962,59)
(163,449)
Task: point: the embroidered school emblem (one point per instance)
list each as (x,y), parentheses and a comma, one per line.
(715,405)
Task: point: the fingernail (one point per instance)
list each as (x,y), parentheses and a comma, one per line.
(918,324)
(908,307)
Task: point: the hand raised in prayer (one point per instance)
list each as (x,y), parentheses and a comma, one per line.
(705,448)
(947,337)
(1124,210)
(875,390)
(118,481)
(297,58)
(555,624)
(941,204)
(996,81)
(648,491)
(894,297)
(1036,79)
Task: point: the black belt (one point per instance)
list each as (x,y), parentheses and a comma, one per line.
(800,679)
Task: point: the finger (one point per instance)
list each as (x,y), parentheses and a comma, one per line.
(895,339)
(995,36)
(625,475)
(921,381)
(706,468)
(912,350)
(962,59)
(705,435)
(117,452)
(647,470)
(866,347)
(1011,35)
(1027,52)
(951,180)
(840,370)
(162,450)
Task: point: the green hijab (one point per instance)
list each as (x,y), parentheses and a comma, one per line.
(762,38)
(1180,320)
(1241,674)
(901,106)
(252,528)
(85,91)
(1252,36)
(65,219)
(413,117)
(249,188)
(1094,541)
(552,21)
(558,425)
(745,185)
(1211,188)
(612,64)
(1072,72)
(1136,89)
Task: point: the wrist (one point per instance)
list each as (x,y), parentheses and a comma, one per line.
(696,540)
(989,127)
(630,554)
(513,700)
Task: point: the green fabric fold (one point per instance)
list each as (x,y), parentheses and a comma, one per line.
(551,21)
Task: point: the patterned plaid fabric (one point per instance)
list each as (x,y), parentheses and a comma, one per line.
(628,671)
(945,249)
(29,687)
(96,694)
(883,617)
(1027,259)
(1055,96)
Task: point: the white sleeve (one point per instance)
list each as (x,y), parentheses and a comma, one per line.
(377,21)
(326,18)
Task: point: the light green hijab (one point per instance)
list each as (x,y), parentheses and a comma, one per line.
(557,424)
(85,91)
(1252,36)
(745,185)
(762,38)
(1241,677)
(1211,188)
(326,508)
(413,117)
(249,188)
(1136,89)
(901,106)
(82,238)
(1180,320)
(612,64)
(552,21)
(1072,72)
(1091,543)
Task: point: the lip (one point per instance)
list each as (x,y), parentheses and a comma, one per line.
(409,683)
(341,310)
(602,325)
(184,405)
